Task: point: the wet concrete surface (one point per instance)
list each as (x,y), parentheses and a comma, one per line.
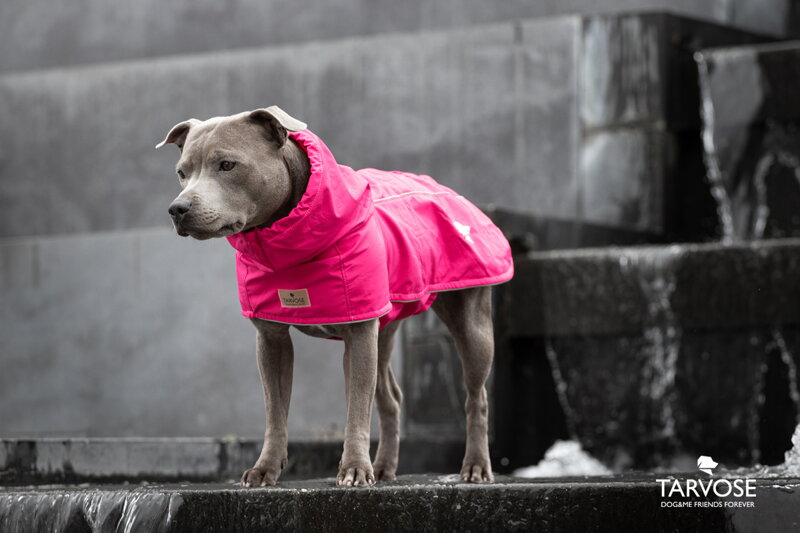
(412,503)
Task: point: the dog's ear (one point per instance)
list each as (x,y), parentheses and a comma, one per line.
(277,122)
(177,135)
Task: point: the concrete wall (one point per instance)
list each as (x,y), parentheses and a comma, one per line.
(138,333)
(490,111)
(42,34)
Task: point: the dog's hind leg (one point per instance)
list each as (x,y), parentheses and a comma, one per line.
(468,315)
(388,399)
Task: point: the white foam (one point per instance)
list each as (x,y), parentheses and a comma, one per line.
(565,458)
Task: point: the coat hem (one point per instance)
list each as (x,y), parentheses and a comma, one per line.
(363,317)
(454,286)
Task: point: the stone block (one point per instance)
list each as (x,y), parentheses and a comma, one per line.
(657,354)
(568,292)
(113,459)
(623,174)
(639,116)
(622,65)
(637,68)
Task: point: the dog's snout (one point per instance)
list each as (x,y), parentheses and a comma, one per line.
(179,207)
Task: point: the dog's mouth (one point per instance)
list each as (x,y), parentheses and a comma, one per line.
(204,233)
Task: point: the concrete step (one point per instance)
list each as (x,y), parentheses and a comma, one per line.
(180,459)
(651,356)
(412,503)
(35,34)
(532,116)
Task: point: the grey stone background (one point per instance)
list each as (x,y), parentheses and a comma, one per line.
(113,326)
(39,34)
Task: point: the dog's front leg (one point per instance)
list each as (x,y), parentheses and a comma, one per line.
(275,363)
(360,375)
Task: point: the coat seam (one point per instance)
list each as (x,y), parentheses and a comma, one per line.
(246,288)
(345,282)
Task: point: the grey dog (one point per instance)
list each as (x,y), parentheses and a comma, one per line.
(265,190)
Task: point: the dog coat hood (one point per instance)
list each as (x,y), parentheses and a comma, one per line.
(364,244)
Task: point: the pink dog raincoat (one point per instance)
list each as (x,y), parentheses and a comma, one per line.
(364,244)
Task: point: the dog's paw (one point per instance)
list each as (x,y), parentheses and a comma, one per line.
(262,475)
(259,477)
(355,474)
(384,472)
(478,471)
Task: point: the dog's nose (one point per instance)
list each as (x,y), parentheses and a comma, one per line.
(179,207)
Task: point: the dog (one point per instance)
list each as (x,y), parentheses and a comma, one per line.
(343,254)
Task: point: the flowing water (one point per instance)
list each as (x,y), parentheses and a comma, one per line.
(714,174)
(561,389)
(655,274)
(741,148)
(652,359)
(99,511)
(789,468)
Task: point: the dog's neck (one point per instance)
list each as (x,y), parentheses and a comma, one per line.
(296,161)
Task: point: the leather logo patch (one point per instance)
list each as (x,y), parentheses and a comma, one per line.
(294,298)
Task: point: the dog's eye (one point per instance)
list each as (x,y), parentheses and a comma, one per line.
(227,165)
(181,174)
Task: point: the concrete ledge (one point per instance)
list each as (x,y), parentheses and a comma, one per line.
(567,293)
(413,503)
(24,461)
